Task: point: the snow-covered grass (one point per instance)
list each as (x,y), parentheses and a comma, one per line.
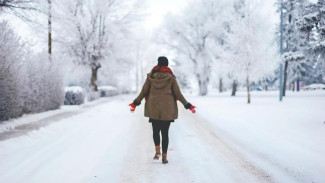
(227,140)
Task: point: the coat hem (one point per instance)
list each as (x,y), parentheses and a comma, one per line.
(154,120)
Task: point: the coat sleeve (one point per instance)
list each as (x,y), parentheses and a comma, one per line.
(177,92)
(143,93)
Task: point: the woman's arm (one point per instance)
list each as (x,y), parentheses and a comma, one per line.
(177,92)
(179,96)
(143,93)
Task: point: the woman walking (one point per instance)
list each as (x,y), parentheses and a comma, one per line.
(161,92)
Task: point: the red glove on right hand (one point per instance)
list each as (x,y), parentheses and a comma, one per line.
(192,109)
(132,107)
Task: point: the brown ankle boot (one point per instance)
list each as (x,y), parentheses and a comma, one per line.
(157,155)
(164,158)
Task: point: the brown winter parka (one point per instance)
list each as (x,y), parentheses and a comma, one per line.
(161,91)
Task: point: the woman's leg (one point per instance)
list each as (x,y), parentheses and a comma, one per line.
(164,134)
(156,138)
(156,132)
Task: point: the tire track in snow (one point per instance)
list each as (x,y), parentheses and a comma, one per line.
(234,157)
(286,173)
(136,166)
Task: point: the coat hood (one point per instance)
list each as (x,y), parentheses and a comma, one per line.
(160,79)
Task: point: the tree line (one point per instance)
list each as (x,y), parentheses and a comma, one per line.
(236,41)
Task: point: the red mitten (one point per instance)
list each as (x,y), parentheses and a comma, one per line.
(192,109)
(132,107)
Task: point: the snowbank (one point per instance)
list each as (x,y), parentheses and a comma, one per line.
(107,91)
(75,89)
(318,86)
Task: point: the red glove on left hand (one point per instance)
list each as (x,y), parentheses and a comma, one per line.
(132,107)
(192,109)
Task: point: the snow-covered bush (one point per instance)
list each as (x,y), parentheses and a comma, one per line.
(10,56)
(107,91)
(28,84)
(10,103)
(43,87)
(74,95)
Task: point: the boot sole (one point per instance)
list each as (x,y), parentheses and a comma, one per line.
(156,157)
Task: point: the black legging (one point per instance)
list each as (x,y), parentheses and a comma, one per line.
(162,126)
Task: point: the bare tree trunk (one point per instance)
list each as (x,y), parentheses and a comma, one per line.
(94,78)
(293,86)
(285,78)
(298,85)
(266,87)
(248,90)
(220,85)
(50,29)
(234,88)
(203,87)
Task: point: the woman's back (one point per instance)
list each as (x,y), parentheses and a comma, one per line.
(161,83)
(162,91)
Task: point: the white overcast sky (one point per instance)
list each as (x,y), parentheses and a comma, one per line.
(157,9)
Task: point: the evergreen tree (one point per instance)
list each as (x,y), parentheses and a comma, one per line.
(294,42)
(311,24)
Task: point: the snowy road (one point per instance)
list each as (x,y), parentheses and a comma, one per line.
(107,143)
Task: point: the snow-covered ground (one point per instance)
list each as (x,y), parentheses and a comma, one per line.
(225,141)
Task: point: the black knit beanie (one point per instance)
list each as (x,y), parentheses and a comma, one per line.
(162,61)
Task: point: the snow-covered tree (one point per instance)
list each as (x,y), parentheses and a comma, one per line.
(311,24)
(21,8)
(93,27)
(229,63)
(21,4)
(303,42)
(15,6)
(193,35)
(295,57)
(252,52)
